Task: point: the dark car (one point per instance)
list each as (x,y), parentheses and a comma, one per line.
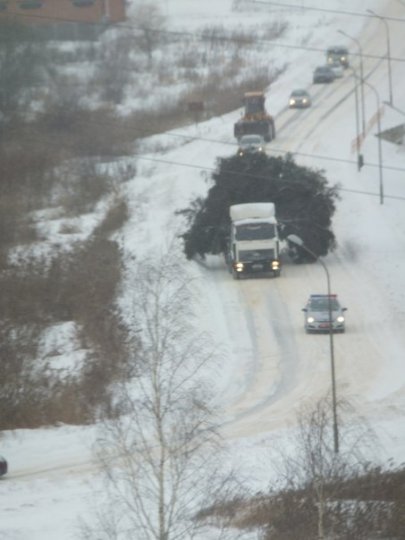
(250,144)
(323,312)
(299,99)
(339,54)
(3,466)
(323,74)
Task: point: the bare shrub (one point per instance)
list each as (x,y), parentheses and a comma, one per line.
(25,184)
(80,286)
(115,68)
(115,218)
(62,102)
(31,395)
(20,394)
(221,98)
(69,228)
(149,29)
(146,123)
(21,66)
(83,186)
(189,58)
(82,52)
(85,133)
(275,29)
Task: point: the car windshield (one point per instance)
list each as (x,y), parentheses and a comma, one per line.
(251,139)
(256,231)
(297,93)
(322,304)
(340,51)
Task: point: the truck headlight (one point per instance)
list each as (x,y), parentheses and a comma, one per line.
(310,320)
(340,319)
(275,265)
(239,266)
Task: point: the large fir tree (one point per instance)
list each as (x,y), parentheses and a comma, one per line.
(304,203)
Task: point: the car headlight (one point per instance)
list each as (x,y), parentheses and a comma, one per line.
(340,319)
(239,266)
(304,100)
(292,101)
(310,320)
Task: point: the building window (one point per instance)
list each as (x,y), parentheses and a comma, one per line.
(82,3)
(30,4)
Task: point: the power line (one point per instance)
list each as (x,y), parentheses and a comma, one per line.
(271,149)
(253,176)
(324,10)
(214,37)
(281,151)
(277,151)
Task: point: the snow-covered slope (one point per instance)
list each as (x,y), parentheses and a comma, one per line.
(269,365)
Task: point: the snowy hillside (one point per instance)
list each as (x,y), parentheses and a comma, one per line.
(269,365)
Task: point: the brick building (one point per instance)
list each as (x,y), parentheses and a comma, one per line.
(56,14)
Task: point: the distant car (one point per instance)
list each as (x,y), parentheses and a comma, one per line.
(337,53)
(317,314)
(299,99)
(3,466)
(251,144)
(323,74)
(337,69)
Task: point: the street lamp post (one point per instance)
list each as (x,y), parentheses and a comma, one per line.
(380,158)
(294,239)
(380,167)
(387,33)
(356,98)
(363,113)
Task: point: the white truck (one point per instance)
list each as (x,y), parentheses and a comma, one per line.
(254,245)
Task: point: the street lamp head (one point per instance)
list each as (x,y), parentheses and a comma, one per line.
(294,239)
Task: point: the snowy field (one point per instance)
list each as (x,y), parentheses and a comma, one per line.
(270,367)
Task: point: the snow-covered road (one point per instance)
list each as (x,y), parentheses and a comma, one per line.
(269,365)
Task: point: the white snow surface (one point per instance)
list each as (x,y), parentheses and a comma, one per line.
(269,366)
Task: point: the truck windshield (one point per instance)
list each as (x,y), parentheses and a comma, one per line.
(256,231)
(254,105)
(257,255)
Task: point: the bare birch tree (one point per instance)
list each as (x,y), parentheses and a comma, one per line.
(162,455)
(149,28)
(311,498)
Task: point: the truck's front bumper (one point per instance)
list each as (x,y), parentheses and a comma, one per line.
(258,267)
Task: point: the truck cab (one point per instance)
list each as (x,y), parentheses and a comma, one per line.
(254,246)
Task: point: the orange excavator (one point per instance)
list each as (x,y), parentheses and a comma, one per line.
(256,120)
